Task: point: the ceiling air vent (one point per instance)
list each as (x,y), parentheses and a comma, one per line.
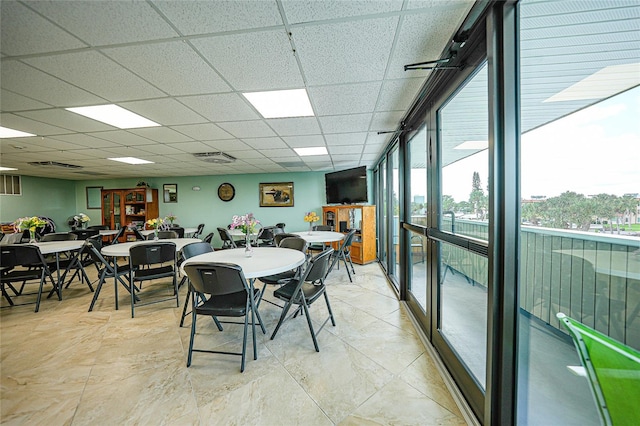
(54,164)
(215,157)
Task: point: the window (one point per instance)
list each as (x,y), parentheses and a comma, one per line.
(10,185)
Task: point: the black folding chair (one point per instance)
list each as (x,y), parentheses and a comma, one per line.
(22,263)
(229,296)
(304,291)
(151,262)
(105,270)
(344,254)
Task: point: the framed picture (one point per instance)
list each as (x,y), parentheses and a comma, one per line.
(278,194)
(170,192)
(94,197)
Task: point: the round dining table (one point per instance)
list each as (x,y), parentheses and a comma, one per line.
(108,232)
(264,260)
(320,236)
(122,249)
(187,231)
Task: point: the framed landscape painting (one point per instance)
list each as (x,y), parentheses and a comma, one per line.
(278,194)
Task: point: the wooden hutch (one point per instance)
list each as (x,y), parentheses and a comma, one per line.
(361,217)
(129,207)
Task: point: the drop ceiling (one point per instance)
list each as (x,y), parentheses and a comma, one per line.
(185,65)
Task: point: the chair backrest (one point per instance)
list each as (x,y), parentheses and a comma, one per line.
(83,234)
(281,225)
(209,238)
(279,237)
(165,235)
(323,228)
(99,227)
(613,370)
(195,249)
(216,279)
(15,238)
(318,267)
(21,255)
(93,246)
(348,239)
(120,233)
(295,243)
(227,241)
(58,236)
(267,234)
(148,254)
(138,234)
(198,231)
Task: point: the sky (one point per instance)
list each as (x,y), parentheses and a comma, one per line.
(595,150)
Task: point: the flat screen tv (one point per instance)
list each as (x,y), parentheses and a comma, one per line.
(347,186)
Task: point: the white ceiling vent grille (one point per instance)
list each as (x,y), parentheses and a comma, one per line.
(54,164)
(215,157)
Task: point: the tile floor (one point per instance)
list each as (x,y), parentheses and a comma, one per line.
(66,366)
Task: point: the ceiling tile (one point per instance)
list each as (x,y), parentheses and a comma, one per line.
(167,112)
(67,120)
(35,84)
(161,134)
(398,95)
(174,66)
(192,147)
(345,149)
(249,155)
(346,139)
(304,141)
(84,140)
(253,61)
(299,11)
(107,22)
(345,98)
(276,154)
(203,17)
(345,123)
(386,121)
(345,52)
(294,126)
(96,74)
(229,145)
(25,32)
(223,107)
(263,143)
(16,122)
(10,102)
(208,131)
(247,129)
(122,137)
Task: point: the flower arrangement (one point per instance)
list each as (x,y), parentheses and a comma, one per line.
(28,223)
(311,217)
(171,218)
(81,218)
(247,223)
(154,223)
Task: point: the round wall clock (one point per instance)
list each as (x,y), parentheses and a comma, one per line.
(226,192)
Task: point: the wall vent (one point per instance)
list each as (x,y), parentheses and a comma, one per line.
(215,157)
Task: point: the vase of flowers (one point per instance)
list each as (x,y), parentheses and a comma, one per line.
(29,223)
(311,217)
(171,218)
(155,224)
(247,223)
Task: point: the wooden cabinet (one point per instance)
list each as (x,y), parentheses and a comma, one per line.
(363,218)
(129,207)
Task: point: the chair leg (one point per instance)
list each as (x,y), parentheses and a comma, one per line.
(313,333)
(326,298)
(5,294)
(248,307)
(193,333)
(97,292)
(283,315)
(186,302)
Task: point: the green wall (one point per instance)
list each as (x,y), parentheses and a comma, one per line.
(53,198)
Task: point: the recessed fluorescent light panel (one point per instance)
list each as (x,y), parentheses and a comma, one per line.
(473,145)
(114,115)
(6,169)
(5,132)
(281,103)
(601,84)
(131,160)
(314,150)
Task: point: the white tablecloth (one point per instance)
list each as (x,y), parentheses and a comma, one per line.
(320,236)
(122,249)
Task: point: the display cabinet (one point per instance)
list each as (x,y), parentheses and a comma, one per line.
(129,207)
(343,218)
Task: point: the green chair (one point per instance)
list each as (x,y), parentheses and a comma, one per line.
(613,370)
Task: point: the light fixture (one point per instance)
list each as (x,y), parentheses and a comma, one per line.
(114,116)
(131,160)
(602,84)
(473,145)
(281,103)
(6,132)
(6,169)
(195,188)
(314,150)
